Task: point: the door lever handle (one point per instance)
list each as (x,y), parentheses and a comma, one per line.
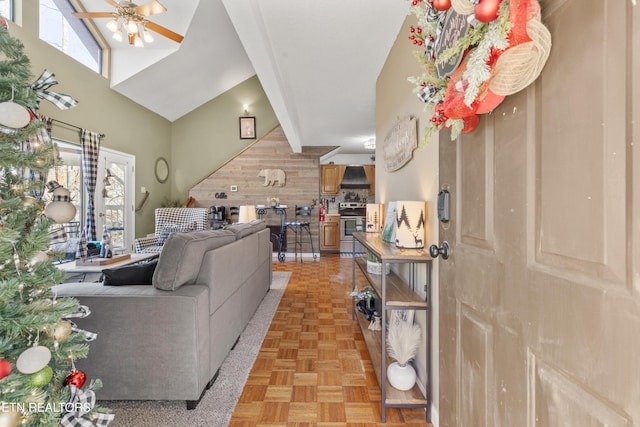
(436,251)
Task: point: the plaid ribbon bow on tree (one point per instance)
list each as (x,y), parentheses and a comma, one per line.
(82,402)
(44,82)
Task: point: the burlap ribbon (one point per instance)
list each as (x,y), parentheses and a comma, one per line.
(520,65)
(463,7)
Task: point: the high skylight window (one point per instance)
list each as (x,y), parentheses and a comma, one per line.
(6,9)
(69,34)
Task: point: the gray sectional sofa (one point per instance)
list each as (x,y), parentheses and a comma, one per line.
(166,341)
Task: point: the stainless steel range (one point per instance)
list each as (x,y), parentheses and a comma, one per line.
(352,219)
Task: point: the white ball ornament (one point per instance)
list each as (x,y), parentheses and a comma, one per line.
(38,256)
(33,359)
(29,201)
(13,115)
(9,417)
(60,212)
(62,330)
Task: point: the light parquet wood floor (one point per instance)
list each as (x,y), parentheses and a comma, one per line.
(313,368)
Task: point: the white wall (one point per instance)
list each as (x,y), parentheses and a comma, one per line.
(349,159)
(418,180)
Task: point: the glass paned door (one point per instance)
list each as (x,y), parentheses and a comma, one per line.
(114,198)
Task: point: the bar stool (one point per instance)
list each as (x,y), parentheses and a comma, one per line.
(300,225)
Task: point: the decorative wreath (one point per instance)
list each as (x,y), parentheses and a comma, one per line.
(475,53)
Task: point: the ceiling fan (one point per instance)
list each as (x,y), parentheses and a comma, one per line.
(129,18)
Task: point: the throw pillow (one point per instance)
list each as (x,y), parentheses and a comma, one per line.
(137,274)
(181,257)
(174,228)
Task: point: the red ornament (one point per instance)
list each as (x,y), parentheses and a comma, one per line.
(442,4)
(77,378)
(5,368)
(487,10)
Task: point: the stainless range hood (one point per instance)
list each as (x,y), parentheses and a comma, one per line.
(354,178)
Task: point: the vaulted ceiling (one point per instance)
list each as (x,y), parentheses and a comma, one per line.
(317,61)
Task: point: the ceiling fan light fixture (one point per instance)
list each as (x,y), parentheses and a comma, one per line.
(148,38)
(132,26)
(113,25)
(117,35)
(129,20)
(137,42)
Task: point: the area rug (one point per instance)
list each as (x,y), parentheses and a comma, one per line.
(218,403)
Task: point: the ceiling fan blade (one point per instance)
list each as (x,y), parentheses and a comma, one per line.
(150,8)
(164,31)
(94,14)
(113,3)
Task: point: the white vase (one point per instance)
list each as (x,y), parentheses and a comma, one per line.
(401,377)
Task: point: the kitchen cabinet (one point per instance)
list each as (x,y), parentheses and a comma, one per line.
(394,294)
(370,172)
(330,178)
(330,234)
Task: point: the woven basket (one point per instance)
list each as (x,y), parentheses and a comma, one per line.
(376,267)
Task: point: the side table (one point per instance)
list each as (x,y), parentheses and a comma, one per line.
(83,270)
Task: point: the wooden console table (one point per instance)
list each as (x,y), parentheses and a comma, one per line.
(394,294)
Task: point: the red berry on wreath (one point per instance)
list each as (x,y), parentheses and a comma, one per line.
(5,368)
(419,30)
(412,29)
(442,4)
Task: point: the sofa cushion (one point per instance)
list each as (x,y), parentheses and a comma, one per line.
(244,229)
(137,274)
(182,254)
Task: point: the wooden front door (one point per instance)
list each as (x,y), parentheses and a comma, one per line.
(539,305)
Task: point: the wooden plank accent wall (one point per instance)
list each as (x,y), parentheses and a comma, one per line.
(302,184)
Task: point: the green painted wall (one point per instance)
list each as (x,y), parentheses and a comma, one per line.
(194,145)
(206,138)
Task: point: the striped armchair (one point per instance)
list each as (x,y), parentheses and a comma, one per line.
(172,220)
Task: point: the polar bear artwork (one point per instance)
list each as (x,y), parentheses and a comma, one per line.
(271,176)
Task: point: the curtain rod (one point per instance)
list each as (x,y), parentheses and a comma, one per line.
(102,135)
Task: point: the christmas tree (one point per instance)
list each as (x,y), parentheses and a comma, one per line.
(39,385)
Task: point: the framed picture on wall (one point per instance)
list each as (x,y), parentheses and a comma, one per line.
(247,127)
